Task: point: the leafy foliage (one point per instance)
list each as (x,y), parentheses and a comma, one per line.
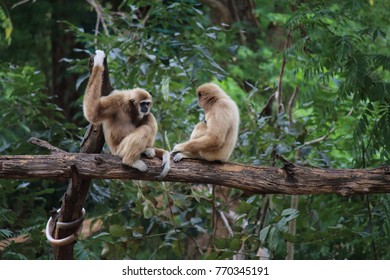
(6,25)
(26,111)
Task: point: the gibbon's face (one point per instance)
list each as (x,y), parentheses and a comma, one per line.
(144,106)
(143,101)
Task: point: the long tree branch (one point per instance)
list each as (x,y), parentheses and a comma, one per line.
(290,179)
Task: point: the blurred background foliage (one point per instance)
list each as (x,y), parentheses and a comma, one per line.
(334,55)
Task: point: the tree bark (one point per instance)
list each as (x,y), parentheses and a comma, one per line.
(290,179)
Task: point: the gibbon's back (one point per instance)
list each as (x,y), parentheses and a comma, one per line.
(234,119)
(219,105)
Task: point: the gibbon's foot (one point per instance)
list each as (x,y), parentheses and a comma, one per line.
(165,164)
(99,58)
(149,152)
(140,165)
(178,157)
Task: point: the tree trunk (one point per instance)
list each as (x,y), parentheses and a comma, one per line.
(76,194)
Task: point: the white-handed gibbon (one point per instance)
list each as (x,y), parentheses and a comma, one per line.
(215,138)
(129,127)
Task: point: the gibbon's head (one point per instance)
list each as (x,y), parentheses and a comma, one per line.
(208,94)
(142,101)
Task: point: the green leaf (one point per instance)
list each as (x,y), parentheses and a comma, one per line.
(290,214)
(165,87)
(147,211)
(118,231)
(244,207)
(264,233)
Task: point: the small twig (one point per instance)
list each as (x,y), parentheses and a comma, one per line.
(226,223)
(370,227)
(292,228)
(263,214)
(291,104)
(46,145)
(88,131)
(214,216)
(315,141)
(175,228)
(99,18)
(21,3)
(278,96)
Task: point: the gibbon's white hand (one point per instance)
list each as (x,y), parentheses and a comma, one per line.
(99,58)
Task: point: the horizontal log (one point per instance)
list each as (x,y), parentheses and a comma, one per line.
(290,179)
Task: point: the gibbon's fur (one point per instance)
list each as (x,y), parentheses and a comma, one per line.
(129,127)
(215,138)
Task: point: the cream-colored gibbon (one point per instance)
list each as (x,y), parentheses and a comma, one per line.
(213,139)
(129,127)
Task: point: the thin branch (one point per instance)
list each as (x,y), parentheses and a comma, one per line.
(21,3)
(99,18)
(291,105)
(292,226)
(175,228)
(262,215)
(45,145)
(278,96)
(370,227)
(318,140)
(226,223)
(214,216)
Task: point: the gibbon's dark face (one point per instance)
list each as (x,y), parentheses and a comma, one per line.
(142,100)
(145,106)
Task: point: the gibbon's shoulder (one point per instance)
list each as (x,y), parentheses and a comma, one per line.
(117,95)
(116,98)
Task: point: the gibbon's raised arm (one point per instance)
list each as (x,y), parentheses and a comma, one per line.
(95,107)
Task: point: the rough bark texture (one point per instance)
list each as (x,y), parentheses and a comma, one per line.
(290,179)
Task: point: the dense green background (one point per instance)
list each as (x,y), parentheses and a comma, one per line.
(336,52)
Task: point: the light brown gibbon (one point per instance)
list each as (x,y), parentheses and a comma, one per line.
(215,138)
(129,127)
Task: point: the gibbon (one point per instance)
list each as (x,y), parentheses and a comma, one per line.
(129,127)
(215,138)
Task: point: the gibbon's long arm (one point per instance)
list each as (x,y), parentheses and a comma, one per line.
(95,109)
(93,91)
